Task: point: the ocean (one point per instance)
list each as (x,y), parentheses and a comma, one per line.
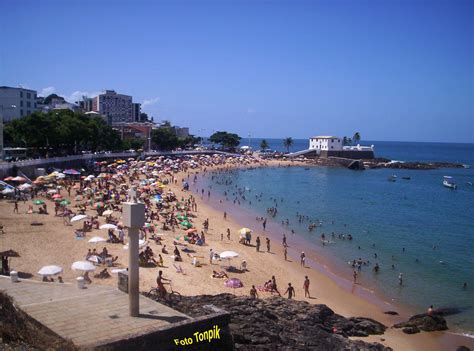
(426,231)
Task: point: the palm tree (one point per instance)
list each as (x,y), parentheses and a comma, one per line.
(263,145)
(346,141)
(356,137)
(288,142)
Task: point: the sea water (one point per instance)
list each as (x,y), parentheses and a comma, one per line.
(426,231)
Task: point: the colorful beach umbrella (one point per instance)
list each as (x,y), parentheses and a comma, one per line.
(65,202)
(71,172)
(38,202)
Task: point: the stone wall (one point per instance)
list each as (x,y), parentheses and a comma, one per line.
(355,155)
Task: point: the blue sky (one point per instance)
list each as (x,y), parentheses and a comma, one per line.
(393,70)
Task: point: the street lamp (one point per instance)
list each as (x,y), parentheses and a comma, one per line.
(2,108)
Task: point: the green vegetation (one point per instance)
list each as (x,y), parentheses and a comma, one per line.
(228,141)
(61,132)
(288,143)
(263,145)
(164,138)
(351,141)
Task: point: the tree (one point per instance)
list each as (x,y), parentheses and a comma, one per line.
(228,141)
(288,142)
(356,138)
(164,138)
(346,141)
(263,145)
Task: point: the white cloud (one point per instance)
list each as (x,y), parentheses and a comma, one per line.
(251,111)
(150,102)
(47,91)
(77,95)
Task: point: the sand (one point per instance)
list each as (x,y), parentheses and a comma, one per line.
(55,243)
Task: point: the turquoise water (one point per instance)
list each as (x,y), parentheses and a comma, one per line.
(434,225)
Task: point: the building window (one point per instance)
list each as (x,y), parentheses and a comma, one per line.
(28,112)
(28,95)
(28,104)
(332,140)
(21,112)
(21,103)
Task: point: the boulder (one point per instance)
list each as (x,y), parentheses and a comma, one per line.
(280,324)
(425,322)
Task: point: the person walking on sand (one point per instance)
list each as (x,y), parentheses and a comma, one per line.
(15,208)
(257,242)
(400,279)
(285,252)
(264,224)
(354,275)
(303,259)
(306,287)
(290,291)
(253,293)
(268,245)
(225,215)
(211,255)
(284,241)
(274,285)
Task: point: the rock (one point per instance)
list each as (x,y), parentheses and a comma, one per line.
(393,313)
(463,348)
(281,324)
(411,330)
(425,322)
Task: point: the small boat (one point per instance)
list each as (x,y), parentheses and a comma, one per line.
(392,178)
(469,183)
(448,182)
(406,178)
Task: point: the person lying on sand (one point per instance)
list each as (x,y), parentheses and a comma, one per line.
(220,274)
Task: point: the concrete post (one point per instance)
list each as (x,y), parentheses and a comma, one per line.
(133,216)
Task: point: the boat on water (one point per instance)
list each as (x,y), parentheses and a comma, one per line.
(406,178)
(448,182)
(392,178)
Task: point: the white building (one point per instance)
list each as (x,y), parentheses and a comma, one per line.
(325,143)
(24,101)
(117,107)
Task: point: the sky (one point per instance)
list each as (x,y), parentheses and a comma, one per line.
(392,70)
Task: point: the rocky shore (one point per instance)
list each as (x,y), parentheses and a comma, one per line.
(281,324)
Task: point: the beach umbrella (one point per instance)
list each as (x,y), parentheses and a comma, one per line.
(65,202)
(57,196)
(50,270)
(83,266)
(19,179)
(244,231)
(228,254)
(24,186)
(141,243)
(192,230)
(78,218)
(9,253)
(107,213)
(98,205)
(60,175)
(8,179)
(38,202)
(93,258)
(108,226)
(97,239)
(8,191)
(233,283)
(71,172)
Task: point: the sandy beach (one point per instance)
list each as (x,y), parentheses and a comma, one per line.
(54,242)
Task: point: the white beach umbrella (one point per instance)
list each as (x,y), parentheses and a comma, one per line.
(24,186)
(8,191)
(83,266)
(228,254)
(50,270)
(107,213)
(141,243)
(108,226)
(78,218)
(97,239)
